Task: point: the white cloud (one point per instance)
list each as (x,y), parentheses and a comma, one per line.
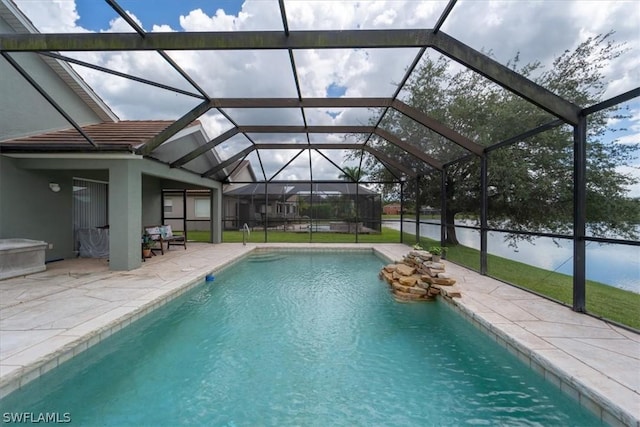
(52,16)
(634,118)
(634,190)
(385,19)
(197,20)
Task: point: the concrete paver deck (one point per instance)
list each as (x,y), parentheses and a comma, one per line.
(48,317)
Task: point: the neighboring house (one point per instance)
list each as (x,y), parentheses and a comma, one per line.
(235,212)
(392,209)
(55,182)
(187,210)
(192,206)
(279,203)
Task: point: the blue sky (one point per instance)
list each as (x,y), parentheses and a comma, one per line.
(95,16)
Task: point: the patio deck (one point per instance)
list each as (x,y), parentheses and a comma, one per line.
(47,318)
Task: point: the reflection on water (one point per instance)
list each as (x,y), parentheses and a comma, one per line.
(615,265)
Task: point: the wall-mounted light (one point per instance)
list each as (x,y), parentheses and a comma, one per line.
(54,186)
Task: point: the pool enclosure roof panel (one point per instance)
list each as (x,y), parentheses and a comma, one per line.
(297,110)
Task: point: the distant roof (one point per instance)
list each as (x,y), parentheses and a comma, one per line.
(237,168)
(295,188)
(111,135)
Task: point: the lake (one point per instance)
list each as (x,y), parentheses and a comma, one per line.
(614,265)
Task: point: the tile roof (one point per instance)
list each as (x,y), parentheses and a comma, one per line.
(123,134)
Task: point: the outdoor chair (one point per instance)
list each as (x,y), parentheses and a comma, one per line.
(164,234)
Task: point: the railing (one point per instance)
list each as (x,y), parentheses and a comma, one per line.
(245,232)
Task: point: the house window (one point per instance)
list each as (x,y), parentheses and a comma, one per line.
(168,206)
(202,208)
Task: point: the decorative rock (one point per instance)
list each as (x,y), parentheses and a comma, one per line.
(433,272)
(420,254)
(401,299)
(405,297)
(408,280)
(423,285)
(434,265)
(401,288)
(452,292)
(426,278)
(387,276)
(417,278)
(443,282)
(405,270)
(418,291)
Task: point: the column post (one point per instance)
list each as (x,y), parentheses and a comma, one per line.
(125,215)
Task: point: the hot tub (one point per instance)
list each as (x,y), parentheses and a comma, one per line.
(21,256)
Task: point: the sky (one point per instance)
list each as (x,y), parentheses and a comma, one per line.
(534,30)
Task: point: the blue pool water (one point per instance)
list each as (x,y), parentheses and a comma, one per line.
(309,339)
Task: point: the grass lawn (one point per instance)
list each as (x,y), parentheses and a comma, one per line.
(387,235)
(602,300)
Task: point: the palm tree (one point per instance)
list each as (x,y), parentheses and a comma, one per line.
(352,173)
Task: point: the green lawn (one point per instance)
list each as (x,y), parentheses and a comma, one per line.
(387,235)
(602,300)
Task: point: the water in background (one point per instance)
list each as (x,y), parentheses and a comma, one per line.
(615,265)
(309,339)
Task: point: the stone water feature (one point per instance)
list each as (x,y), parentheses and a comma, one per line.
(418,278)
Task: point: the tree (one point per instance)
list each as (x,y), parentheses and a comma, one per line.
(531,181)
(352,173)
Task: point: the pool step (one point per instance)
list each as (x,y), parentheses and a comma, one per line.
(266,257)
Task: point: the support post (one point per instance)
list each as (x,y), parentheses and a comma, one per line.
(484,207)
(215,218)
(418,209)
(266,209)
(579,213)
(184,214)
(125,216)
(162,218)
(311,212)
(443,206)
(357,208)
(402,210)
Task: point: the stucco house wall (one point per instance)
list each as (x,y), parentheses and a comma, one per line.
(30,210)
(151,200)
(28,113)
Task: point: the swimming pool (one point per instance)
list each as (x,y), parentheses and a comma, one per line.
(307,339)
